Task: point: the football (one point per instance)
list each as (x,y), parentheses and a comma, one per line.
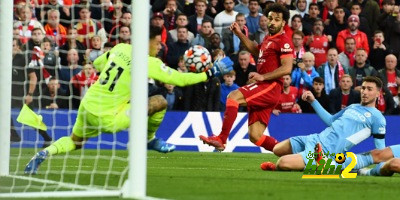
(340,158)
(197,59)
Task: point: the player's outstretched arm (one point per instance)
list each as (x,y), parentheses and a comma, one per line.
(159,71)
(250,46)
(322,113)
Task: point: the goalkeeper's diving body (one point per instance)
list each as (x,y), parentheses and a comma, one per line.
(105,107)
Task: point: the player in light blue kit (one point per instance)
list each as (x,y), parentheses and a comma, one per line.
(346,129)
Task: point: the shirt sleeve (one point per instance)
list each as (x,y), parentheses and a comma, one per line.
(101,61)
(159,71)
(285,48)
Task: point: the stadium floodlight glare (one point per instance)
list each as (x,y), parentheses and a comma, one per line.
(82,173)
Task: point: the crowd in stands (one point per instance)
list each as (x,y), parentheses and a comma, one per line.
(336,44)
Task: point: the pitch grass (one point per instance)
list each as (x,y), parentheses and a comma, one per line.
(193,175)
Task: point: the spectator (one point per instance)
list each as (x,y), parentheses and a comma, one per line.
(178,48)
(64,12)
(386,19)
(50,60)
(385,102)
(173,95)
(21,93)
(304,74)
(308,19)
(217,54)
(72,43)
(196,20)
(243,68)
(181,65)
(215,43)
(125,20)
(291,11)
(109,13)
(231,41)
(212,9)
(157,20)
(370,9)
(390,77)
(67,72)
(301,7)
(332,71)
(227,86)
(262,30)
(297,39)
(296,25)
(54,29)
(347,57)
(124,35)
(88,27)
(353,23)
(54,97)
(35,40)
(26,24)
(204,35)
(343,96)
(361,69)
(364,24)
(379,50)
(318,91)
(242,7)
(287,102)
(84,79)
(170,14)
(203,96)
(181,21)
(317,43)
(336,24)
(225,18)
(328,10)
(95,51)
(253,18)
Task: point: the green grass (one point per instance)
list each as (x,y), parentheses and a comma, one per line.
(192,175)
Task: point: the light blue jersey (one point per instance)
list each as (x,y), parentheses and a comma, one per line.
(346,129)
(351,126)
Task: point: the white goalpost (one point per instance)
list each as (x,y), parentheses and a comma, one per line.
(130,181)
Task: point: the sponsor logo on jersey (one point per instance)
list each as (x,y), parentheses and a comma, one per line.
(286,48)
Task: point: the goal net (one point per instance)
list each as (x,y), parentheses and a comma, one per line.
(51,70)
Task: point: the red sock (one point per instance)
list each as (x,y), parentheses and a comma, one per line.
(229,117)
(267,142)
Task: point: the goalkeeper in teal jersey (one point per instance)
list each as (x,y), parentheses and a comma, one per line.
(105,106)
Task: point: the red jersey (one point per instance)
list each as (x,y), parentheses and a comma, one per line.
(345,100)
(392,85)
(319,47)
(287,101)
(271,51)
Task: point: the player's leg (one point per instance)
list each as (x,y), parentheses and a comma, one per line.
(235,98)
(283,148)
(157,109)
(375,156)
(387,168)
(65,144)
(257,137)
(293,162)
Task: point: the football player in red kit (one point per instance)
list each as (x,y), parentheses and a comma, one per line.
(275,59)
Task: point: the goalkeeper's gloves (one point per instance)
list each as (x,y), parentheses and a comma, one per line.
(220,67)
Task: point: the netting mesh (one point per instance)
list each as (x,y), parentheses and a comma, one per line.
(53,49)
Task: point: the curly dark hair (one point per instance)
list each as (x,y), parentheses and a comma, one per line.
(278,8)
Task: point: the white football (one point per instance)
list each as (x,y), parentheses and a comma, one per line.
(197,59)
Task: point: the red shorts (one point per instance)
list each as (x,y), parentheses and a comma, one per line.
(261,98)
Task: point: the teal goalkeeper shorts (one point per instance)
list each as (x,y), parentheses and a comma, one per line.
(88,125)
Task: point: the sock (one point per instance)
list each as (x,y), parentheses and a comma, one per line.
(267,142)
(395,150)
(376,171)
(62,145)
(363,160)
(153,123)
(229,118)
(44,134)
